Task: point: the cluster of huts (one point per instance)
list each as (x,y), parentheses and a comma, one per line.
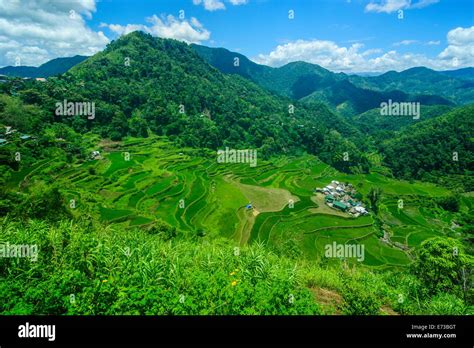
(343,197)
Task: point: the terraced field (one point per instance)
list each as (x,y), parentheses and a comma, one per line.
(142,180)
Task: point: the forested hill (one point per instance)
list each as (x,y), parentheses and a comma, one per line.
(294,80)
(348,99)
(455,86)
(140,83)
(372,122)
(442,145)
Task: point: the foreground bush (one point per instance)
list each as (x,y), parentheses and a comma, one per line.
(86,268)
(99,270)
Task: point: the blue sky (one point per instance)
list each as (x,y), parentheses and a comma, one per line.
(342,35)
(259,26)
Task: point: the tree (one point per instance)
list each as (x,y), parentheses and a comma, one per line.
(450,203)
(138,125)
(45,203)
(374,196)
(443,265)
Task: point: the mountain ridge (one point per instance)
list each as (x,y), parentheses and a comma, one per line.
(50,68)
(141,82)
(299,79)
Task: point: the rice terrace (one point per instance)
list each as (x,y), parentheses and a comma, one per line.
(138,181)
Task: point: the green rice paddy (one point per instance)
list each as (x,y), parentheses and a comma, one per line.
(191,191)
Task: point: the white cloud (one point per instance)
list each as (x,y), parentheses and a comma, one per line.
(459,53)
(433,43)
(460,50)
(371,52)
(405,42)
(238,2)
(166,27)
(461,36)
(214,5)
(389,6)
(325,53)
(36,31)
(423,3)
(210,5)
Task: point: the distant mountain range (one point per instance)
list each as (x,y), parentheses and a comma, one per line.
(210,98)
(455,85)
(53,67)
(346,94)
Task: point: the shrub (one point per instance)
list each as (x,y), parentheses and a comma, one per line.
(360,301)
(445,304)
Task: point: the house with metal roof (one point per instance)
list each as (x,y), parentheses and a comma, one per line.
(329,198)
(341,206)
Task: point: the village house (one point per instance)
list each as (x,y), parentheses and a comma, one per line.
(95,155)
(341,196)
(341,206)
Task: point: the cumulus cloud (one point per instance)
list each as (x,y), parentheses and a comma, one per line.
(389,6)
(371,52)
(168,27)
(214,5)
(35,31)
(325,53)
(459,53)
(460,50)
(210,5)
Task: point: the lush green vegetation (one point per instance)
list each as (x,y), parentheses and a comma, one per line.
(434,148)
(455,86)
(132,214)
(140,83)
(372,123)
(135,204)
(84,268)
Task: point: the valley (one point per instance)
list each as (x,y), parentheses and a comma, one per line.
(140,181)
